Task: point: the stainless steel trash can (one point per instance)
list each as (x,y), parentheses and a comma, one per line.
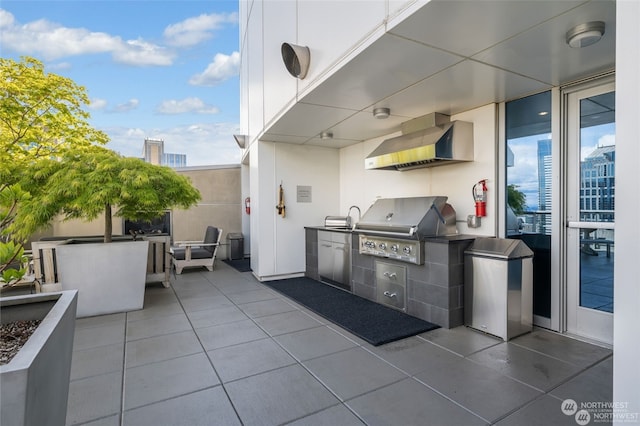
(498,287)
(236,246)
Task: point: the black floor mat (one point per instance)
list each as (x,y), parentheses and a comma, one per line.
(375,323)
(241,265)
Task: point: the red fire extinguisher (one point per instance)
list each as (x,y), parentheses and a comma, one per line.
(480,197)
(247,205)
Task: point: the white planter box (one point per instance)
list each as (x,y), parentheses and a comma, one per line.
(109,277)
(35,384)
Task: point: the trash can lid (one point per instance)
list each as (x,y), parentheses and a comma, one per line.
(503,248)
(234,236)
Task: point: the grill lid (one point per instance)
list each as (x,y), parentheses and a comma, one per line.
(412,217)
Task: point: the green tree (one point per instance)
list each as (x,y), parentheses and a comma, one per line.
(516,199)
(82,185)
(41,116)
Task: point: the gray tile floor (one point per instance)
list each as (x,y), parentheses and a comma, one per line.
(220,348)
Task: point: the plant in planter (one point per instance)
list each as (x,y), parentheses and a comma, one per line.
(41,116)
(35,382)
(84,185)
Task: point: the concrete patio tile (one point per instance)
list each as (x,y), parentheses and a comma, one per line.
(105,421)
(336,415)
(204,303)
(266,307)
(94,397)
(97,361)
(413,354)
(278,396)
(155,311)
(353,372)
(545,411)
(480,389)
(286,322)
(252,296)
(246,359)
(160,348)
(462,340)
(410,403)
(562,347)
(148,383)
(102,335)
(530,367)
(157,326)
(592,385)
(216,316)
(239,286)
(313,343)
(219,336)
(206,407)
(100,320)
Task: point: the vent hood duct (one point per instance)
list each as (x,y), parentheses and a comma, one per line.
(435,146)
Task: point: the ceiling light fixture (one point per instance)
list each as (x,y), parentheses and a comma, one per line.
(585,34)
(240,140)
(326,135)
(381,112)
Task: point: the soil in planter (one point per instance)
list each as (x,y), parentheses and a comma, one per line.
(13,336)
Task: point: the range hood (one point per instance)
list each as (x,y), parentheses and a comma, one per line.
(445,143)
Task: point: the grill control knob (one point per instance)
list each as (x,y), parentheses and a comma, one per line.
(394,248)
(382,246)
(406,250)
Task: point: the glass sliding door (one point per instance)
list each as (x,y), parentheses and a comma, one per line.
(530,190)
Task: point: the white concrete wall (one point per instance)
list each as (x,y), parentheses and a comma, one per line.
(362,187)
(278,244)
(626,340)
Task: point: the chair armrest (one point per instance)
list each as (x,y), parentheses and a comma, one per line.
(187,243)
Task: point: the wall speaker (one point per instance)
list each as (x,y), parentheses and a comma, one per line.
(296,59)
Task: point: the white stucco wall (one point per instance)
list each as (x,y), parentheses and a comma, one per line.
(626,338)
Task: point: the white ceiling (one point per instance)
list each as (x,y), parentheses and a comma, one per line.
(451,56)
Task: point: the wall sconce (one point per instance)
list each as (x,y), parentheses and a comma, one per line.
(585,34)
(296,59)
(381,113)
(326,135)
(240,140)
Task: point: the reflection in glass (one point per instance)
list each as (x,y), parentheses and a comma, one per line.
(529,187)
(597,200)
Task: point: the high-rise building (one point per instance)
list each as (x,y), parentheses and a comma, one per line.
(597,188)
(153,152)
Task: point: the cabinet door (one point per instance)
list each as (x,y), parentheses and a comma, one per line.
(340,274)
(325,259)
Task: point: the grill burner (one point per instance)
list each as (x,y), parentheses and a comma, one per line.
(394,228)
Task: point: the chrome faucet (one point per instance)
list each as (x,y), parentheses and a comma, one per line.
(359,215)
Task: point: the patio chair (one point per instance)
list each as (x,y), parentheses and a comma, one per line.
(197,253)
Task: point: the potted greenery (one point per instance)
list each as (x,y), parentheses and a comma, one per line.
(83,185)
(41,116)
(56,165)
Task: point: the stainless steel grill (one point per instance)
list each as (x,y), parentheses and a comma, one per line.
(396,227)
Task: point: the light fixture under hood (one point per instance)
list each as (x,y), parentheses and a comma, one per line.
(434,146)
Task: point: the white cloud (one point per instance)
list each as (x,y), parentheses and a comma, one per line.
(203,143)
(222,68)
(607,140)
(188,105)
(97,104)
(127,106)
(193,31)
(52,41)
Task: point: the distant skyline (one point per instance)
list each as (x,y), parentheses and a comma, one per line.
(160,69)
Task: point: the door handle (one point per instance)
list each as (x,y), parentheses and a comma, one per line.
(389,294)
(591,225)
(391,275)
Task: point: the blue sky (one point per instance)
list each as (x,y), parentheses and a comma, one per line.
(152,68)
